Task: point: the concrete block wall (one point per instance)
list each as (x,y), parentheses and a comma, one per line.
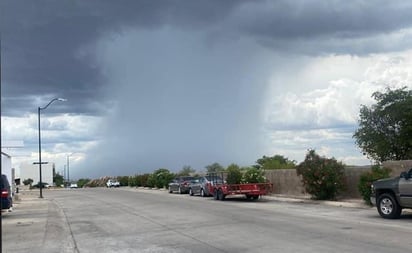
(287,182)
(398,166)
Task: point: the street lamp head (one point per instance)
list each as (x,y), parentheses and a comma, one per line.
(55,99)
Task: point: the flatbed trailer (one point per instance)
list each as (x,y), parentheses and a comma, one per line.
(250,190)
(220,188)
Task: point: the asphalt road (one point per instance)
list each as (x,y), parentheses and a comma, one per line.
(130,220)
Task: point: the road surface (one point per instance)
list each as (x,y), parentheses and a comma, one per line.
(138,220)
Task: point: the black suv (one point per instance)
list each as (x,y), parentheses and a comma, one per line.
(6,201)
(392,195)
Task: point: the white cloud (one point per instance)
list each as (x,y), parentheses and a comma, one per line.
(61,135)
(325,116)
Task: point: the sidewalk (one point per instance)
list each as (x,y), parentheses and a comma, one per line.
(35,225)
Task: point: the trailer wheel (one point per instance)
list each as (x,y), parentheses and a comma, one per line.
(248,197)
(255,197)
(220,195)
(215,195)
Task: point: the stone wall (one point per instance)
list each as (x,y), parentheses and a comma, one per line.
(287,182)
(398,166)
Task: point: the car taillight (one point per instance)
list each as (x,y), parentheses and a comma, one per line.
(4,193)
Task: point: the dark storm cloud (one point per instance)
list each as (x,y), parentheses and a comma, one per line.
(327,27)
(309,19)
(47,46)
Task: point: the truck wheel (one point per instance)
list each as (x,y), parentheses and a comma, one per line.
(202,193)
(220,195)
(387,206)
(190,192)
(170,190)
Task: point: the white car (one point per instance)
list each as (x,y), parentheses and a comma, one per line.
(73,186)
(112,183)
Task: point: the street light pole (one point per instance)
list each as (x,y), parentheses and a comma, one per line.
(68,169)
(68,165)
(40,183)
(64,176)
(40,163)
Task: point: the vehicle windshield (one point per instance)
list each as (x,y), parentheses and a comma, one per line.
(187,178)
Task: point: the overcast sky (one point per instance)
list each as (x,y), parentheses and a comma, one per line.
(163,84)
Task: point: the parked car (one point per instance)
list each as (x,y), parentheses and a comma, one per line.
(203,186)
(391,195)
(44,185)
(180,184)
(6,200)
(73,186)
(112,183)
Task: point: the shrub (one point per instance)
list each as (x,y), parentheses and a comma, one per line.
(160,178)
(322,178)
(28,181)
(151,181)
(82,182)
(366,179)
(253,175)
(234,175)
(123,180)
(143,180)
(132,181)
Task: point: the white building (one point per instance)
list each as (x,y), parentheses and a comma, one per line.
(29,170)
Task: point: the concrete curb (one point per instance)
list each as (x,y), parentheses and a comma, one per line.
(350,203)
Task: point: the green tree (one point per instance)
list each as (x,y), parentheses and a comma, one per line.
(82,182)
(385,128)
(323,178)
(214,167)
(234,175)
(161,177)
(186,171)
(275,162)
(58,179)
